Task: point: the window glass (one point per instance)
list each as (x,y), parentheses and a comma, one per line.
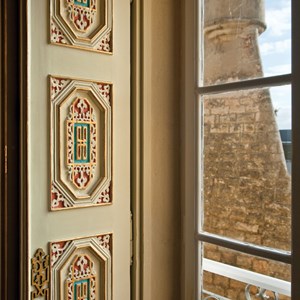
(275,42)
(245,39)
(246,163)
(245,149)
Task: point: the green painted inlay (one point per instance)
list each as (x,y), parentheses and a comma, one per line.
(84,3)
(81,282)
(81,143)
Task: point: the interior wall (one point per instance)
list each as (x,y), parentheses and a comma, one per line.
(161,150)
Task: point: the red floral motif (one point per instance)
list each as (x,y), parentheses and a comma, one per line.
(57,249)
(57,85)
(82,17)
(56,35)
(57,199)
(105,241)
(105,196)
(106,43)
(105,90)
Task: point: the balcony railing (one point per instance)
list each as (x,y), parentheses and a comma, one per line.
(262,282)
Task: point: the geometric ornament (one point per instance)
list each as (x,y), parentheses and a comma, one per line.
(85,24)
(81,269)
(81,143)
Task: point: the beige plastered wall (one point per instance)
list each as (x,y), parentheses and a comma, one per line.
(157,76)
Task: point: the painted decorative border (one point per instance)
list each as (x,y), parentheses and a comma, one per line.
(81,266)
(80,122)
(82,24)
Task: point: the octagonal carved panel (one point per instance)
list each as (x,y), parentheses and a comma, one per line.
(85,24)
(81,268)
(80,143)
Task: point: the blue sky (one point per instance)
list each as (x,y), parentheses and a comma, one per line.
(275,49)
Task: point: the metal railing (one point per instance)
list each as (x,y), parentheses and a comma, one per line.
(263,283)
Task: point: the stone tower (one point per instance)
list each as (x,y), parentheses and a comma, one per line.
(247,188)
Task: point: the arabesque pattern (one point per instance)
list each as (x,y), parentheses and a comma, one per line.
(81,280)
(40,275)
(82,13)
(83,24)
(83,267)
(80,143)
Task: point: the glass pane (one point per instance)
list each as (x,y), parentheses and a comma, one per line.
(275,42)
(246,192)
(245,39)
(237,276)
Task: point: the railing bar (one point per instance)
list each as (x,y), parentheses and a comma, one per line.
(249,277)
(210,294)
(246,84)
(248,248)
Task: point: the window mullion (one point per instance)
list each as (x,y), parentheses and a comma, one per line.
(246,84)
(248,248)
(296,149)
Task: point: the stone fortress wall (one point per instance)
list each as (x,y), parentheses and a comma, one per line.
(247,188)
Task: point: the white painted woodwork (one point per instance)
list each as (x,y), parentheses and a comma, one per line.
(45,59)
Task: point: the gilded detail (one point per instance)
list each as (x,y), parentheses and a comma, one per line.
(82,143)
(40,275)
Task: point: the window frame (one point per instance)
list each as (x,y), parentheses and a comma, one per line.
(191,253)
(295,149)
